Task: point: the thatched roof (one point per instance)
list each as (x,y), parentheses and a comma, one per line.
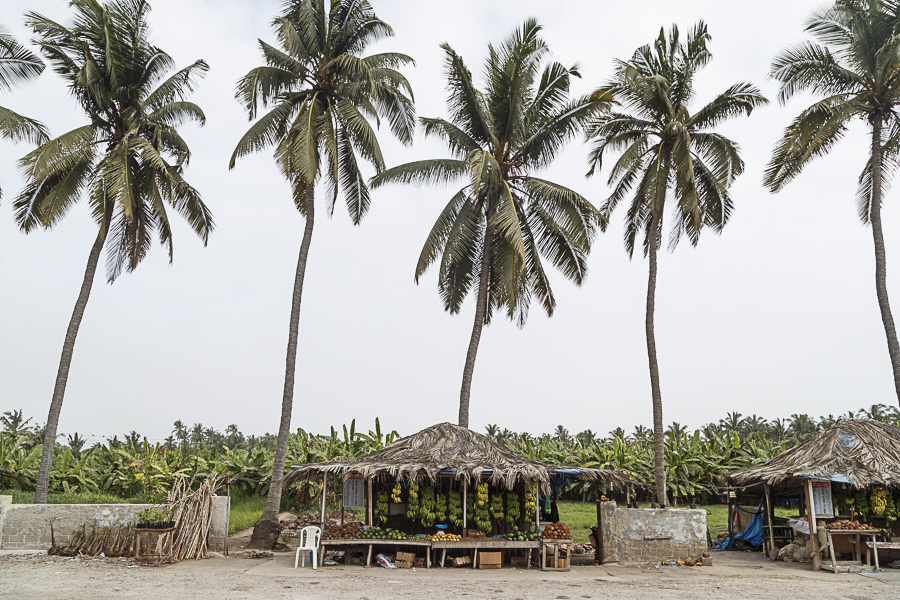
(855,451)
(450,450)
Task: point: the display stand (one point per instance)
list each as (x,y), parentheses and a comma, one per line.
(556,544)
(152,542)
(856,565)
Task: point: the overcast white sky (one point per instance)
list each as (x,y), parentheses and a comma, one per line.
(776,316)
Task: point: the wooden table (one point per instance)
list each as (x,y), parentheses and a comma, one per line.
(881,546)
(371,543)
(556,545)
(488,544)
(152,540)
(857,554)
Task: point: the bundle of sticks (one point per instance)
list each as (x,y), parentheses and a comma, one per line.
(192,511)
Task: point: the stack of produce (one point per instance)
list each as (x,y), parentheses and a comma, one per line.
(445,537)
(377,533)
(350,531)
(521,536)
(847,525)
(557,531)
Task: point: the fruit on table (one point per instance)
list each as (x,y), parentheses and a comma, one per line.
(847,525)
(445,537)
(377,533)
(515,535)
(350,531)
(557,531)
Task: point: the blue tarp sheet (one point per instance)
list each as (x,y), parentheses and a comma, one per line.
(753,534)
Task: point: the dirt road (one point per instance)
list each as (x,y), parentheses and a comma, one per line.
(737,576)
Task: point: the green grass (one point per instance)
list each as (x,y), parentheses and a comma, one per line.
(245,511)
(581,516)
(25,497)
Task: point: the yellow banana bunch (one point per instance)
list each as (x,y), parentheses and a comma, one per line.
(482,494)
(395,493)
(530,500)
(878,501)
(381,506)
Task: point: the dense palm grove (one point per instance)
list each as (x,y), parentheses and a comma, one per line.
(131,465)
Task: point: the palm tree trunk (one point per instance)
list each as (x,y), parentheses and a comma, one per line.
(881,259)
(267,529)
(659,445)
(42,485)
(480,312)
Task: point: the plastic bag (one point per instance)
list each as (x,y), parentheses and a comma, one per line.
(385,561)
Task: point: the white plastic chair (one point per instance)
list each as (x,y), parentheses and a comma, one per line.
(309,545)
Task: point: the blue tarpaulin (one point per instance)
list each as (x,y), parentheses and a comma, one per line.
(753,534)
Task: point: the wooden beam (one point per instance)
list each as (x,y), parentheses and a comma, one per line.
(770,515)
(813,534)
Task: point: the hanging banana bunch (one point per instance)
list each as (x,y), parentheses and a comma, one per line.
(861,504)
(497,506)
(455,505)
(483,494)
(878,501)
(530,500)
(513,507)
(395,493)
(381,506)
(412,511)
(891,511)
(440,510)
(427,509)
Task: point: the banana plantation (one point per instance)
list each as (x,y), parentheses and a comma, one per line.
(133,466)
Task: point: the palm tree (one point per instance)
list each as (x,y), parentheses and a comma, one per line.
(15,423)
(119,160)
(323,91)
(18,65)
(496,229)
(855,68)
(668,153)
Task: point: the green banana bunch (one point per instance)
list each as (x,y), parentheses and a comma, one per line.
(513,507)
(440,510)
(861,504)
(455,506)
(381,506)
(412,510)
(878,501)
(497,506)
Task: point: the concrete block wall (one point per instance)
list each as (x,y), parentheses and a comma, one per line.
(27,526)
(636,534)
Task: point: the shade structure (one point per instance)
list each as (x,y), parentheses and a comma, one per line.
(450,450)
(860,452)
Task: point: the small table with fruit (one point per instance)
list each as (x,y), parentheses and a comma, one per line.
(854,528)
(515,540)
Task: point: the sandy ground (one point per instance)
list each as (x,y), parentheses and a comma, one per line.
(27,577)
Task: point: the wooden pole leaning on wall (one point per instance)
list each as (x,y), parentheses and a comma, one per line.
(813,533)
(770,515)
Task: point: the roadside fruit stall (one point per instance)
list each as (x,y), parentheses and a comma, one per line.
(447,492)
(848,481)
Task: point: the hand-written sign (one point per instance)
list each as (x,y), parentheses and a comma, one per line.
(354,492)
(821,497)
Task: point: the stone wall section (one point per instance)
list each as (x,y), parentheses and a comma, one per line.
(650,535)
(27,526)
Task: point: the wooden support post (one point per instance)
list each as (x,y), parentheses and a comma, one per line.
(813,534)
(770,516)
(370,483)
(465,530)
(321,549)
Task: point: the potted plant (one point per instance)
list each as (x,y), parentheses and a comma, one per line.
(155,519)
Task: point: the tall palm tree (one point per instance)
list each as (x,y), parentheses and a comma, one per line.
(668,153)
(128,160)
(323,93)
(855,69)
(18,65)
(496,229)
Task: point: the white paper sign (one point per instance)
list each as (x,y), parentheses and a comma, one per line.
(354,492)
(821,496)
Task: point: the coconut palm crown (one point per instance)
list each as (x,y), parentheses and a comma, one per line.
(668,155)
(128,160)
(854,67)
(18,65)
(498,228)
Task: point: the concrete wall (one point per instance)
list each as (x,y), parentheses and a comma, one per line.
(649,535)
(27,526)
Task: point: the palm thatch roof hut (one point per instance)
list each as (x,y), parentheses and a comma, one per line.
(860,452)
(447,450)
